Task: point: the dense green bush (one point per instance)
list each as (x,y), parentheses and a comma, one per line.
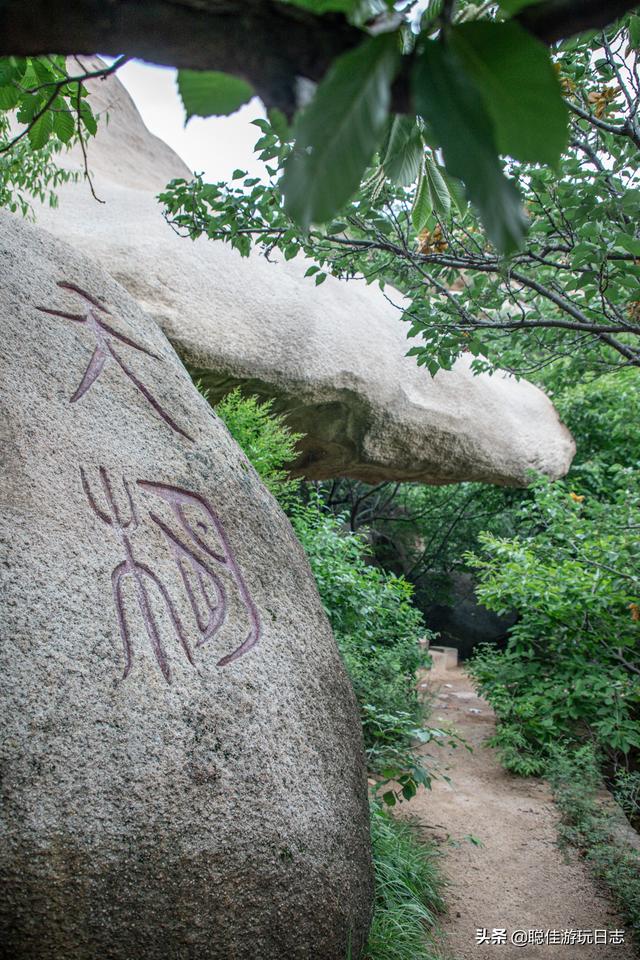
(571,670)
(378,631)
(603,415)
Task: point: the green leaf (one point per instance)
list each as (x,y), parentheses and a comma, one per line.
(515,6)
(88,119)
(457,194)
(634,32)
(389,798)
(64,125)
(208,93)
(279,123)
(403,155)
(325,6)
(630,244)
(9,97)
(421,210)
(9,70)
(447,98)
(29,107)
(41,130)
(520,88)
(409,790)
(440,197)
(338,132)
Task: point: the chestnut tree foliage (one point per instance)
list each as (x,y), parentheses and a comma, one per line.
(44,108)
(464,154)
(500,215)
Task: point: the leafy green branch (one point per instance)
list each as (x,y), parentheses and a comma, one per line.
(52,111)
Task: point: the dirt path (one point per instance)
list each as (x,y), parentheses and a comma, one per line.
(518,879)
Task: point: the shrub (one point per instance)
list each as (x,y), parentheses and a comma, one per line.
(571,670)
(602,415)
(378,631)
(586,825)
(264,437)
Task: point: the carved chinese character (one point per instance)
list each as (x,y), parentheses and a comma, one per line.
(105,350)
(197,562)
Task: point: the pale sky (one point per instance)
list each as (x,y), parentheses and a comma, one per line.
(216,146)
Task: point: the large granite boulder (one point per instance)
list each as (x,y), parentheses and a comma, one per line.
(333,356)
(182,764)
(459,618)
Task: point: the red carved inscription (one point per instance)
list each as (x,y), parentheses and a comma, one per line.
(93,318)
(205,573)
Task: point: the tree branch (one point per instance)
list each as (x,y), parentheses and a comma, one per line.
(57,86)
(619,129)
(268,43)
(554,20)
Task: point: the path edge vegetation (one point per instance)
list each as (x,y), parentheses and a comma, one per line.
(377,630)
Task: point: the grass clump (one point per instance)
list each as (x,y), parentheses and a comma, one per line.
(588,826)
(408,892)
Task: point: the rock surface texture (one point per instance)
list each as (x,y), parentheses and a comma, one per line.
(183,772)
(333,357)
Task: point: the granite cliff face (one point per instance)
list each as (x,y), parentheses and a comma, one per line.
(182,762)
(333,357)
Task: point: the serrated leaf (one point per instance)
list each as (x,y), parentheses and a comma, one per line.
(8,70)
(630,244)
(403,154)
(88,119)
(520,88)
(421,210)
(338,132)
(634,32)
(64,125)
(457,194)
(440,198)
(9,97)
(42,70)
(29,107)
(449,101)
(209,93)
(41,130)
